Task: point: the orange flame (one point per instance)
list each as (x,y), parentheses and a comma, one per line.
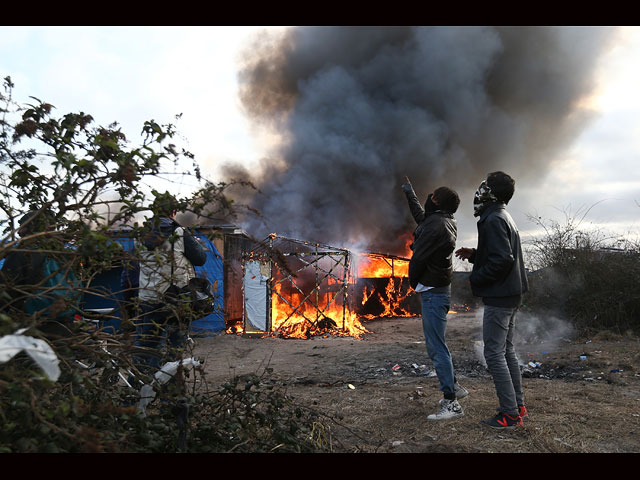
(383,266)
(379,266)
(390,301)
(293,317)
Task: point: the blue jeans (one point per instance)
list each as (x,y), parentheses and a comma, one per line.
(435,307)
(498,327)
(153,332)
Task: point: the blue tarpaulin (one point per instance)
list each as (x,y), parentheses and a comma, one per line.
(212,270)
(108,286)
(108,296)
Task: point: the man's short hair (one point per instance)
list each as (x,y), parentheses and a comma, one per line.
(501,185)
(164,204)
(447,199)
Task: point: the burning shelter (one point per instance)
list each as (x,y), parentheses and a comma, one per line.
(295,288)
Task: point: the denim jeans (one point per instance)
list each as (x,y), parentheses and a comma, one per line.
(435,307)
(153,333)
(498,328)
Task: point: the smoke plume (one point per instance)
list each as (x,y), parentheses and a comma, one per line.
(358,108)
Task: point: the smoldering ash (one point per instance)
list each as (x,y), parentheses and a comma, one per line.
(358,108)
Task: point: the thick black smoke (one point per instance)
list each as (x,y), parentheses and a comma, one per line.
(359,108)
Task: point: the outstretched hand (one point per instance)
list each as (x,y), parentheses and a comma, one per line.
(464,253)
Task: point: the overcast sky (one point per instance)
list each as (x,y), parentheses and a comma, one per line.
(133,74)
(602,167)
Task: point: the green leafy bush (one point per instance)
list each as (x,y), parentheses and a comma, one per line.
(81,181)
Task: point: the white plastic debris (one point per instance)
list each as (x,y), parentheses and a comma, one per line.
(39,350)
(147,394)
(162,376)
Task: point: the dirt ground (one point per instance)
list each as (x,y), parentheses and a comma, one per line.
(589,405)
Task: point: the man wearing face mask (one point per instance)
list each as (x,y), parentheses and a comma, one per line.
(498,276)
(430,273)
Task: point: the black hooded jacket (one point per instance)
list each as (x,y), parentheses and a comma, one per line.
(435,238)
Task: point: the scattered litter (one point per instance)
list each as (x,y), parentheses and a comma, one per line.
(616,370)
(396,367)
(166,373)
(415,365)
(583,357)
(351,386)
(396,443)
(535,364)
(37,349)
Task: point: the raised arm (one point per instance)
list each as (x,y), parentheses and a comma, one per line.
(414,204)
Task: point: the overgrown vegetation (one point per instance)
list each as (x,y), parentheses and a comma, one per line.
(80,181)
(584,275)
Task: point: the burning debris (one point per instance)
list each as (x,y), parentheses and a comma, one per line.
(382,287)
(298,289)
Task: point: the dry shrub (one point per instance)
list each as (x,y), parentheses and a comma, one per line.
(585,276)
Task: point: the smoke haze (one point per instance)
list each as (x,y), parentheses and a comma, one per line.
(358,108)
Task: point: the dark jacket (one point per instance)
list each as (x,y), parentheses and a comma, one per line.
(498,267)
(434,241)
(192,249)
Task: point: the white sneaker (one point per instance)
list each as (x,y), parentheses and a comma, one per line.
(448,409)
(460,391)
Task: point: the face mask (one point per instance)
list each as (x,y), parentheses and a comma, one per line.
(482,198)
(429,206)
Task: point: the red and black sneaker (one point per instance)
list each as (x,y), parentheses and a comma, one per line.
(502,421)
(522,410)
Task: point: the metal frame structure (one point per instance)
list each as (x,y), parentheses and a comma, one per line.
(275,251)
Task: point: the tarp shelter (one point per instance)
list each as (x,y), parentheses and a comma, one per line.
(108,283)
(109,297)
